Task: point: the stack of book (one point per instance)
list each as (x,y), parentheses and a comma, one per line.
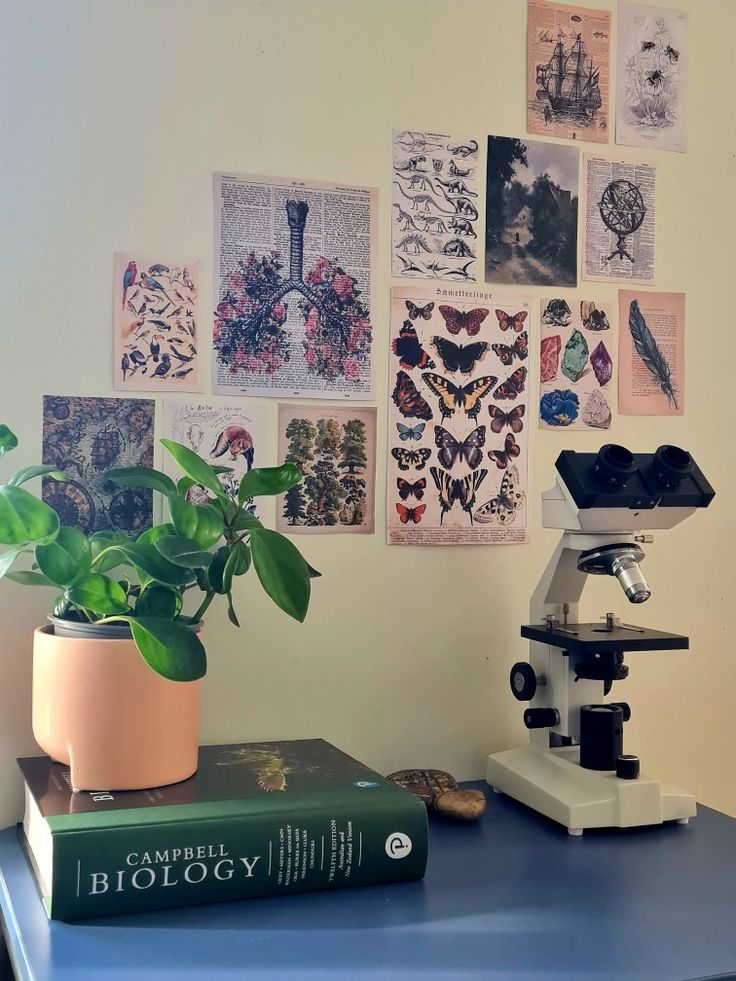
(257,819)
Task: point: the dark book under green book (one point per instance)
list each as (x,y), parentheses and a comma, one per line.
(257,819)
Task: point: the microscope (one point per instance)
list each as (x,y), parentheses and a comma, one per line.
(574,769)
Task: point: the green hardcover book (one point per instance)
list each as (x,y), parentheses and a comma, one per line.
(257,819)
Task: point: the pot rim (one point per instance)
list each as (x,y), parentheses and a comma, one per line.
(65,627)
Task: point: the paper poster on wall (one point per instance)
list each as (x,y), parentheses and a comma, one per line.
(567,71)
(294,267)
(578,349)
(651,353)
(231,434)
(651,73)
(434,212)
(85,437)
(155,323)
(531,212)
(335,449)
(618,220)
(457,421)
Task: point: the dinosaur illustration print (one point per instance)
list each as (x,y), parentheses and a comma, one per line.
(458,172)
(422,202)
(461,226)
(413,163)
(416,182)
(408,266)
(462,272)
(415,142)
(413,244)
(406,218)
(464,149)
(462,206)
(437,165)
(432,223)
(456,247)
(457,186)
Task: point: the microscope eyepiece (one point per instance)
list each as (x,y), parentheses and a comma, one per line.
(670,465)
(614,465)
(621,561)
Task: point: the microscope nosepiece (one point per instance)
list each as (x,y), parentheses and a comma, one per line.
(621,561)
(633,583)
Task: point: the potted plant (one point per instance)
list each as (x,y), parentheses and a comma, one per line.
(116,671)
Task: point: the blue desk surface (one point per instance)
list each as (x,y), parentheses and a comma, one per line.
(513,898)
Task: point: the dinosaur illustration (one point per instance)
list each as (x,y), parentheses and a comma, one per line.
(412,163)
(424,200)
(435,268)
(415,142)
(456,247)
(436,224)
(409,266)
(464,150)
(413,245)
(462,206)
(416,182)
(462,272)
(457,172)
(437,165)
(406,218)
(462,227)
(457,186)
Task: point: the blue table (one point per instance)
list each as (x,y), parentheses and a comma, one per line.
(513,898)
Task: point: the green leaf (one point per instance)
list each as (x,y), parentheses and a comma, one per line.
(142,477)
(282,571)
(159,601)
(231,614)
(209,527)
(65,559)
(313,574)
(219,468)
(245,521)
(183,552)
(152,535)
(216,570)
(99,541)
(99,594)
(183,516)
(268,480)
(151,561)
(240,559)
(194,466)
(169,648)
(28,473)
(61,606)
(8,558)
(29,579)
(8,440)
(23,518)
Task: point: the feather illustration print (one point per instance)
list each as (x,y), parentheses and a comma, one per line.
(648,350)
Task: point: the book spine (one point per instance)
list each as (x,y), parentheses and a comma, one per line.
(179,863)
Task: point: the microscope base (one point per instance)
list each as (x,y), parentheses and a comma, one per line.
(552,782)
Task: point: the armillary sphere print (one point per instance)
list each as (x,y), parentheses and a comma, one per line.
(622,209)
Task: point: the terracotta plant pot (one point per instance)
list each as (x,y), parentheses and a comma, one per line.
(100,709)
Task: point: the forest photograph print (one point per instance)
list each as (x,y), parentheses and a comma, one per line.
(531,213)
(335,449)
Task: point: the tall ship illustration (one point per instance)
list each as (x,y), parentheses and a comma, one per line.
(569,80)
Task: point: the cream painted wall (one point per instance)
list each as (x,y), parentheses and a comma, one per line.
(115,114)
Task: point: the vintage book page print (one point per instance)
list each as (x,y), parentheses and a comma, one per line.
(651,353)
(457,421)
(651,73)
(531,212)
(577,348)
(156,324)
(231,434)
(335,449)
(294,267)
(568,71)
(85,437)
(434,211)
(618,220)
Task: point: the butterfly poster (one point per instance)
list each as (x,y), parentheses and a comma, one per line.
(457,423)
(578,351)
(435,230)
(334,446)
(156,322)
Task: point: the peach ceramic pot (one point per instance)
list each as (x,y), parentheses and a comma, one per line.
(100,709)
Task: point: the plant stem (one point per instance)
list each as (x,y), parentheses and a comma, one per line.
(203,606)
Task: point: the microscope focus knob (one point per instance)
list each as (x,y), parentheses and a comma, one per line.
(625,708)
(523,681)
(541,718)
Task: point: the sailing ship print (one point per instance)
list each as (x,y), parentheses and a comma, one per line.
(569,82)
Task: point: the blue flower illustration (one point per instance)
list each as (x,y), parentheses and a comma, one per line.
(559,407)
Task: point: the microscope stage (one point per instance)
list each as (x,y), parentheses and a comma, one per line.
(577,638)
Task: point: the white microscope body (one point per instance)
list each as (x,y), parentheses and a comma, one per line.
(572,665)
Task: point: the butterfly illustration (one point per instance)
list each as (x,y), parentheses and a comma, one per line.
(453,489)
(508,322)
(513,386)
(407,489)
(452,397)
(453,451)
(424,312)
(459,357)
(512,418)
(503,457)
(519,349)
(506,503)
(470,320)
(408,399)
(410,458)
(410,432)
(411,514)
(407,347)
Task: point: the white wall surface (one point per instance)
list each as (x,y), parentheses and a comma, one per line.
(114,116)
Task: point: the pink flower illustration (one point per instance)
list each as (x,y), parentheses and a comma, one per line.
(342,285)
(351,369)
